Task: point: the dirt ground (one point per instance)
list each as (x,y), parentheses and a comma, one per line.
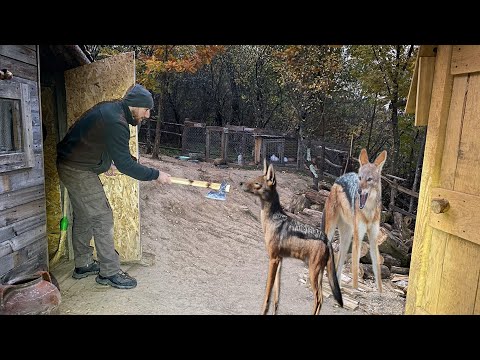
(207,257)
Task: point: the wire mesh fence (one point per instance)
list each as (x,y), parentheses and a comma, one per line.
(234,144)
(194,138)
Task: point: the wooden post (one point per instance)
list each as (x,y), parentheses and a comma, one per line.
(258,147)
(321,163)
(207,145)
(184,136)
(243,148)
(300,149)
(281,152)
(393,194)
(223,146)
(263,151)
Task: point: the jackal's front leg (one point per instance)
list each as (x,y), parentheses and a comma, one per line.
(272,271)
(276,287)
(375,255)
(355,257)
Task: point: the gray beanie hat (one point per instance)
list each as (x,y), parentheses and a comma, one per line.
(138,96)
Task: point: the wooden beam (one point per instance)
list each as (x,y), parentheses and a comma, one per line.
(426,70)
(461,218)
(465,59)
(412,92)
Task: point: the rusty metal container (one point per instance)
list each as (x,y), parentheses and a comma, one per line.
(33,294)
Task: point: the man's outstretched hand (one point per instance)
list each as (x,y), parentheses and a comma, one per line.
(164,178)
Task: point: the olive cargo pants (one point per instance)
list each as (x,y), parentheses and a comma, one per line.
(92,216)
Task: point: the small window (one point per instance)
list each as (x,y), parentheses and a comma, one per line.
(16,139)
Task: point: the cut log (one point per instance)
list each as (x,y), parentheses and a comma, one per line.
(311,212)
(366,259)
(389,261)
(323,185)
(392,245)
(400,270)
(365,253)
(317,197)
(385,216)
(387,226)
(348,267)
(306,219)
(348,302)
(397,221)
(315,216)
(298,203)
(368,271)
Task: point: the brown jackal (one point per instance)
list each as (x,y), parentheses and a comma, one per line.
(354,206)
(286,237)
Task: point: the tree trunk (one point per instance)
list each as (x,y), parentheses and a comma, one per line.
(149,140)
(301,148)
(396,140)
(321,164)
(371,124)
(233,88)
(161,110)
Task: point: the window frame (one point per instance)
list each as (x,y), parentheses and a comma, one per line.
(23,158)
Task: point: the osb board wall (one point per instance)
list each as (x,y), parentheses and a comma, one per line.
(52,183)
(86,86)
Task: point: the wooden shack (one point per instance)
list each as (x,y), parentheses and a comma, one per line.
(445,267)
(50,86)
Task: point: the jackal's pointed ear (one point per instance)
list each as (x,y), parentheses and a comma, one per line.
(270,176)
(380,160)
(363,158)
(264,166)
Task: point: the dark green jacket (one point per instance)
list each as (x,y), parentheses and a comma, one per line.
(101,136)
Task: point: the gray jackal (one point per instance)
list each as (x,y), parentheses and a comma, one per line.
(354,206)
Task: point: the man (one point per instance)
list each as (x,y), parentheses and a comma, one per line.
(97,138)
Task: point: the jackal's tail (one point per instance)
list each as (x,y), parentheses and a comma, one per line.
(331,268)
(332,275)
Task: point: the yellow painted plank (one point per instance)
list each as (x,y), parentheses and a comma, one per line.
(460,274)
(454,130)
(433,268)
(465,59)
(439,108)
(426,68)
(476,310)
(412,92)
(462,218)
(467,177)
(421,311)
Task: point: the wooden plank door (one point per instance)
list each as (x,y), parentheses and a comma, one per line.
(446,260)
(86,86)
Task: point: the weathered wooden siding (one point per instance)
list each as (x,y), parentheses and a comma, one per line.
(23,243)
